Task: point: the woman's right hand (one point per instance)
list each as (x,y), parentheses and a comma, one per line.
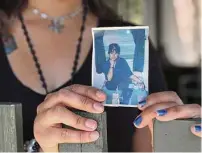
(112,63)
(54,112)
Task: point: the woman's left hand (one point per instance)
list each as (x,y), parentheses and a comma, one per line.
(167,106)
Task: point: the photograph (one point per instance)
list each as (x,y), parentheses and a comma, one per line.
(120,64)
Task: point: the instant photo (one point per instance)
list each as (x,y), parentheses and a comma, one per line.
(120,64)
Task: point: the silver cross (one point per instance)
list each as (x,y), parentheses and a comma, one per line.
(57,25)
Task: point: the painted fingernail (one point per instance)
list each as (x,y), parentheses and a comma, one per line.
(142,103)
(138,121)
(91,124)
(161,112)
(197,128)
(100,94)
(98,106)
(94,135)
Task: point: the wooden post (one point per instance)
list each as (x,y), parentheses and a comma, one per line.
(98,146)
(11,132)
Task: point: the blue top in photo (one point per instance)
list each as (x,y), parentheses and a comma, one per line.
(121,73)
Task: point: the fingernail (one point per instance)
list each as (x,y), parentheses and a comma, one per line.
(100,94)
(91,124)
(94,135)
(197,128)
(142,104)
(138,121)
(98,107)
(161,112)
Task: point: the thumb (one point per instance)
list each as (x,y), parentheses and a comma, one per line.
(196,130)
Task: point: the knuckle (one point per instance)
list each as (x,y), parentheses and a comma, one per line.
(62,93)
(48,96)
(78,120)
(74,87)
(65,134)
(196,106)
(176,109)
(197,110)
(153,96)
(172,93)
(84,100)
(55,112)
(58,109)
(87,91)
(176,97)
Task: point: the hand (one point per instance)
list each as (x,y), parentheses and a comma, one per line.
(167,106)
(112,63)
(136,79)
(55,111)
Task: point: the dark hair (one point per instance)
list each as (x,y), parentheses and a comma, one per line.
(10,8)
(114,47)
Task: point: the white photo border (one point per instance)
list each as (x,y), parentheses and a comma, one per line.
(120,28)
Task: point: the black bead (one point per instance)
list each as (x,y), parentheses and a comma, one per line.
(77,56)
(80,39)
(82,28)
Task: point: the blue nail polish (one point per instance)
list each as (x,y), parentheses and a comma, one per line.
(161,112)
(138,121)
(198,128)
(142,103)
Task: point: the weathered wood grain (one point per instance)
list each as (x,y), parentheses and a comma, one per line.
(98,146)
(11,132)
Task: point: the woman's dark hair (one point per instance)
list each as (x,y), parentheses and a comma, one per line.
(114,47)
(10,8)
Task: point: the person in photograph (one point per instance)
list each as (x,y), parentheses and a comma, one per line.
(118,76)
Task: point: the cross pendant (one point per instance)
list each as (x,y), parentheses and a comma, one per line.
(56,26)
